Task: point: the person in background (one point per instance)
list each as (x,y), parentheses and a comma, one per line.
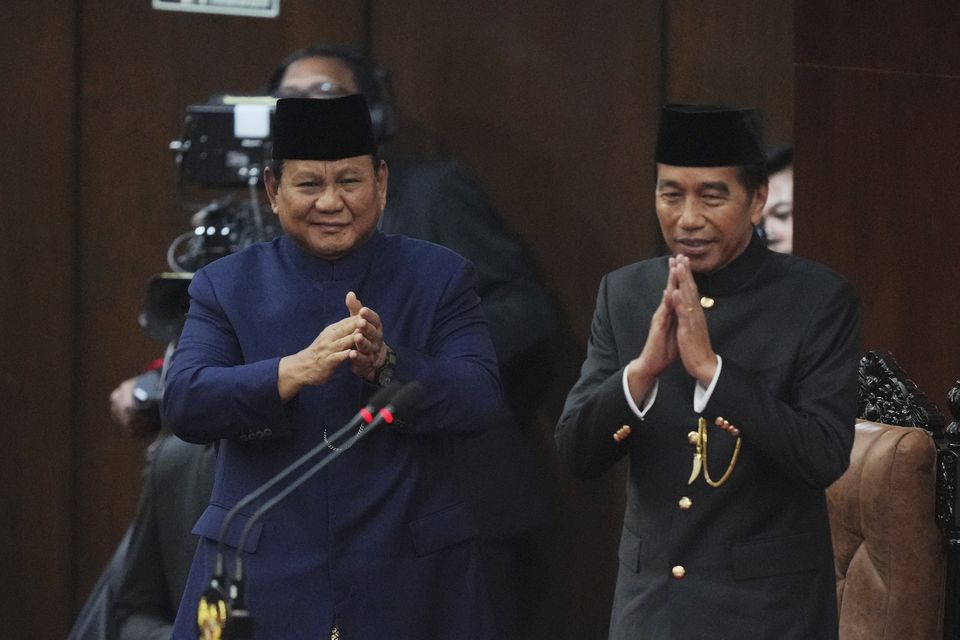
(778,212)
(150,583)
(726,374)
(96,620)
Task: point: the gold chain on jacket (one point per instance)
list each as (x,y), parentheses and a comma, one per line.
(699,438)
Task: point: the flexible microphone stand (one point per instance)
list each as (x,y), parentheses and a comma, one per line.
(240,624)
(214,609)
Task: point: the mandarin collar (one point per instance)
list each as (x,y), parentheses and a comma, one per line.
(352,265)
(738,274)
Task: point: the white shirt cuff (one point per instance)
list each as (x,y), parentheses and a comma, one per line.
(701,396)
(647,402)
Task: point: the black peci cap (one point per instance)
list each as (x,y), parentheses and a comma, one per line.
(322,129)
(709,136)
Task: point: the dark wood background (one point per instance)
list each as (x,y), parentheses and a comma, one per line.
(551,104)
(877,142)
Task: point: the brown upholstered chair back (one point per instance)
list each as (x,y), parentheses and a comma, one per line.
(890,555)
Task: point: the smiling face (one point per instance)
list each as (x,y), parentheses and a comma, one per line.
(328,207)
(706,214)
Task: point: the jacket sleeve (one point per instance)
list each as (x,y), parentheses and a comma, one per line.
(810,433)
(458,367)
(237,397)
(596,405)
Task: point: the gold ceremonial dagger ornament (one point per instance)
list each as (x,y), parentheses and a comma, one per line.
(698,438)
(694,438)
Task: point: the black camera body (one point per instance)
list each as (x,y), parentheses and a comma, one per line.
(225,146)
(226,141)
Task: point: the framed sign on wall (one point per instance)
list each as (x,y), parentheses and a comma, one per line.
(254,8)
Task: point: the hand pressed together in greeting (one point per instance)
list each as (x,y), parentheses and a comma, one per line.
(678,328)
(357,338)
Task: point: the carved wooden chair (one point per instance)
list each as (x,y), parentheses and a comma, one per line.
(895,516)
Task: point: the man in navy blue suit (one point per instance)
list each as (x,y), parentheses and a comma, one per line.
(283,343)
(434,200)
(437,200)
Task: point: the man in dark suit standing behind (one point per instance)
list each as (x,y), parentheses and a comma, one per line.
(727,375)
(175,491)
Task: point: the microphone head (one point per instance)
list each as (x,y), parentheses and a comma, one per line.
(383,395)
(407,398)
(240,626)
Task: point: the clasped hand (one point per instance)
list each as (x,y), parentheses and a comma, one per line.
(678,328)
(357,338)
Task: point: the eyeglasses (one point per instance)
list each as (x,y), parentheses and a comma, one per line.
(322,89)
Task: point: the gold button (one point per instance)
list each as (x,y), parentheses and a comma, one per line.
(693,438)
(685,503)
(707,302)
(678,572)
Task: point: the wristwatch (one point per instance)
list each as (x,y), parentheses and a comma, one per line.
(384,375)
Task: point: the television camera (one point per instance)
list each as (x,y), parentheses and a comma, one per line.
(220,160)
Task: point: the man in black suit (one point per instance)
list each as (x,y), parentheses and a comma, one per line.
(727,375)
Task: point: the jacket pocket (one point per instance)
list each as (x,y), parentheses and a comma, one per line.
(210,522)
(443,529)
(776,556)
(629,552)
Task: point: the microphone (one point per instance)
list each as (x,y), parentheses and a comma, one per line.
(214,611)
(406,399)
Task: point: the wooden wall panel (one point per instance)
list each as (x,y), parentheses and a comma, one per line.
(36,317)
(552,108)
(875,173)
(141,68)
(875,166)
(901,37)
(737,52)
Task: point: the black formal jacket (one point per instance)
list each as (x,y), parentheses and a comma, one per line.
(437,201)
(754,556)
(175,492)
